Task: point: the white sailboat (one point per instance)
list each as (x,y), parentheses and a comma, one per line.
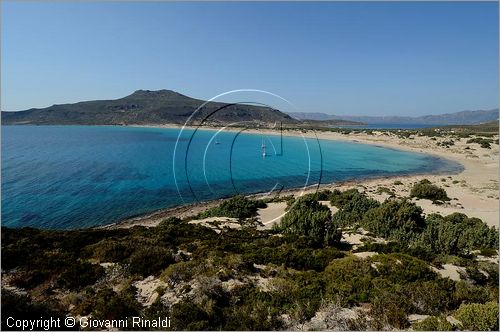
(264,154)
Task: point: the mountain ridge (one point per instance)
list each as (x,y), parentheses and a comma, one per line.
(456,118)
(147,107)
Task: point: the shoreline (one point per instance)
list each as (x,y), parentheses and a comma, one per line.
(475,189)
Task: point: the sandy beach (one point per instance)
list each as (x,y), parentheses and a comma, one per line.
(474,191)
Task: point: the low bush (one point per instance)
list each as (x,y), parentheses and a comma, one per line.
(433,323)
(426,190)
(478,317)
(483,142)
(456,234)
(150,260)
(394,219)
(236,207)
(80,274)
(308,218)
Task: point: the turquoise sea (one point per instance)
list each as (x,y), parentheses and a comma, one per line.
(67,177)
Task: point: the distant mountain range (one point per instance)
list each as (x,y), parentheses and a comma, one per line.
(147,107)
(458,118)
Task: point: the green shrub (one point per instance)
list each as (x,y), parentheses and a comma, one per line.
(394,219)
(110,305)
(307,217)
(352,206)
(236,207)
(488,252)
(425,190)
(179,272)
(79,275)
(150,260)
(483,142)
(433,323)
(110,250)
(323,195)
(456,234)
(385,190)
(23,307)
(478,317)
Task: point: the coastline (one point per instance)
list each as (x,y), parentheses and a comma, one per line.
(474,190)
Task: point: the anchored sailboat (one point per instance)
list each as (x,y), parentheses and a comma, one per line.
(264,154)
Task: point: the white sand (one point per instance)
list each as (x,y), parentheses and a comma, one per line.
(146,290)
(332,208)
(365,254)
(450,271)
(216,223)
(271,214)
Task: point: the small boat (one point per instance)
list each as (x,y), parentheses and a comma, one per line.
(217,142)
(264,154)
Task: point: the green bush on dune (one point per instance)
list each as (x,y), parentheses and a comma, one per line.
(456,234)
(236,207)
(311,219)
(394,219)
(426,190)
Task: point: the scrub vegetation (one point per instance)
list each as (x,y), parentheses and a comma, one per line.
(254,279)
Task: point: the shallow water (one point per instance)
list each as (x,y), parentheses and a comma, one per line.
(67,177)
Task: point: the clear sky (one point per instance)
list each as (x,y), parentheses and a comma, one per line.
(340,58)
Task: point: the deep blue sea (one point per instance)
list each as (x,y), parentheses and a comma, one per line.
(67,177)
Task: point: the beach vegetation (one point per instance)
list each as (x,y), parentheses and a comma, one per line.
(251,279)
(478,317)
(483,142)
(236,207)
(312,220)
(433,323)
(424,189)
(385,190)
(455,234)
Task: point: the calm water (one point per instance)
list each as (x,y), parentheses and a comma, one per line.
(77,176)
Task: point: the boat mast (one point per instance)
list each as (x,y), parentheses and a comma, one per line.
(263,148)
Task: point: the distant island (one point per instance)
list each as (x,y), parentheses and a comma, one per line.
(145,107)
(457,118)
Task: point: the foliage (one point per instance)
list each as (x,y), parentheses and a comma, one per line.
(433,323)
(426,190)
(148,261)
(236,207)
(483,142)
(23,307)
(80,274)
(456,234)
(478,317)
(353,205)
(110,305)
(308,218)
(394,219)
(248,280)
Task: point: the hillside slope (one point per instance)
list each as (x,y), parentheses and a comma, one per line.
(145,107)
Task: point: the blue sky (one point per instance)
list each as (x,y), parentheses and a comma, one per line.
(340,58)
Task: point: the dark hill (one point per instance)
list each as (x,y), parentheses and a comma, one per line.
(145,107)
